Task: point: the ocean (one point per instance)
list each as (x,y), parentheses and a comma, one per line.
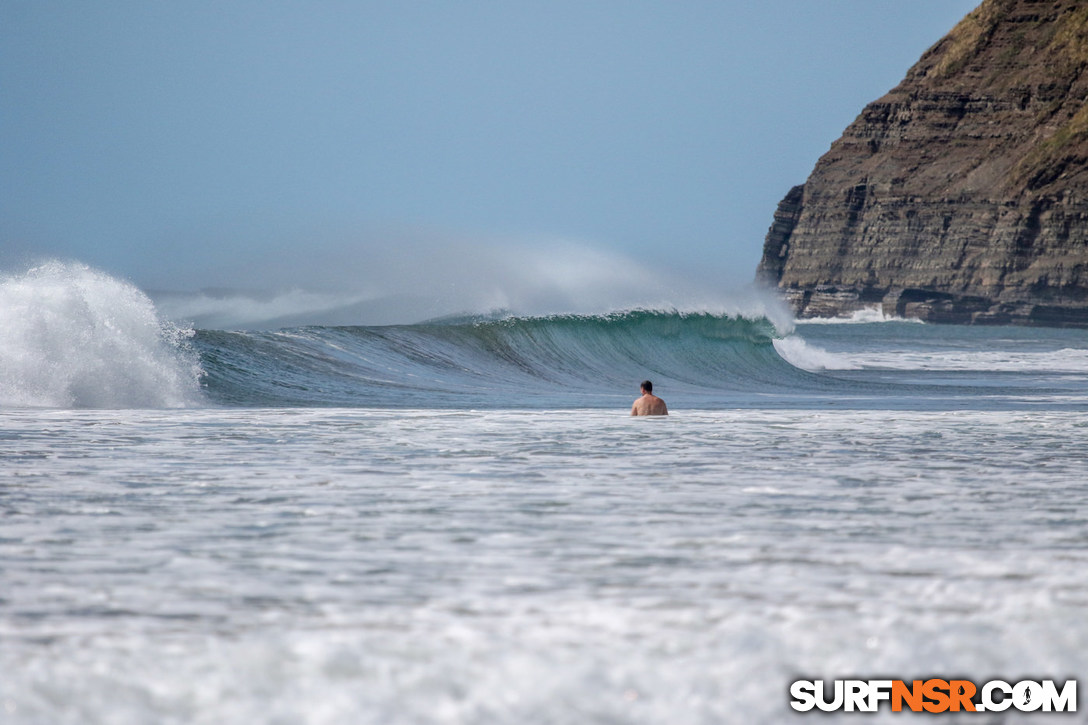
(457,521)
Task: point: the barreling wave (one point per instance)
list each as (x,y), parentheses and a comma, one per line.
(74,337)
(560,360)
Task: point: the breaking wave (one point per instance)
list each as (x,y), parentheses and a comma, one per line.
(73,337)
(563,360)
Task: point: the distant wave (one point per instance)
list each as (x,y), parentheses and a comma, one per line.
(71,336)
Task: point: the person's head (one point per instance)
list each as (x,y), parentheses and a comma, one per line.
(647,386)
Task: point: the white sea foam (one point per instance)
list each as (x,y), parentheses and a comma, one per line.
(71,336)
(799,353)
(806,355)
(538,567)
(863,316)
(1067,360)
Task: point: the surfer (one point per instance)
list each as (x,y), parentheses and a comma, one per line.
(649,404)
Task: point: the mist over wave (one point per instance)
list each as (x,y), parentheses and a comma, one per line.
(411,279)
(71,336)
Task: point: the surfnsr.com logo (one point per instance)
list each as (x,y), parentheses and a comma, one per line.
(933,696)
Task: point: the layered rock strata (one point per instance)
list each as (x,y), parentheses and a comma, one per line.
(962,195)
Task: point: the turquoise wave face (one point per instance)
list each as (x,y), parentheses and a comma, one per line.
(562,360)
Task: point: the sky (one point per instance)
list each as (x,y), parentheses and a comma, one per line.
(389,147)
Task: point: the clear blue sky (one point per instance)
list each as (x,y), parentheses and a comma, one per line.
(185,144)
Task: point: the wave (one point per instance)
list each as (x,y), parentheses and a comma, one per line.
(560,360)
(73,337)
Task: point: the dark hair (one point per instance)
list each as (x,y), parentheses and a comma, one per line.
(647,386)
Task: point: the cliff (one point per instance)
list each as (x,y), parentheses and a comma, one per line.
(961,195)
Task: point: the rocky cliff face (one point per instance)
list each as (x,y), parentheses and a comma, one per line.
(961,195)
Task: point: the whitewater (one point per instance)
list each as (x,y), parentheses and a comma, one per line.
(456,521)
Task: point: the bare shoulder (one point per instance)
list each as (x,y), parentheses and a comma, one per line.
(649,405)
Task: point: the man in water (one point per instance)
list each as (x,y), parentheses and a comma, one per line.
(649,404)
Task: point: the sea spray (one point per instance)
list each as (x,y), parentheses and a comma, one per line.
(71,336)
(799,353)
(400,278)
